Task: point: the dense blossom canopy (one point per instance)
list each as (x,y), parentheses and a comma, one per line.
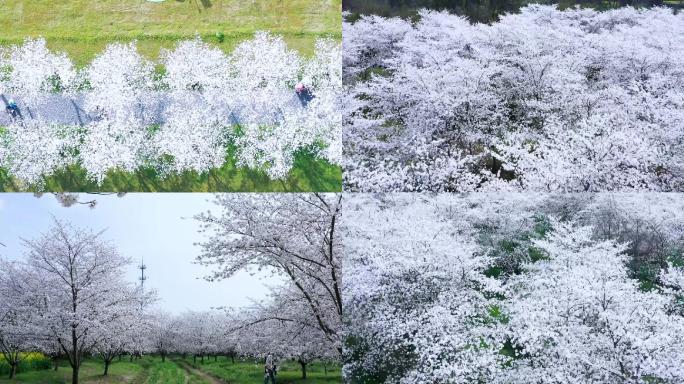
(545,100)
(68,299)
(294,236)
(124,111)
(513,288)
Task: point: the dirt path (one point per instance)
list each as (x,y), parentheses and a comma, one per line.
(194,371)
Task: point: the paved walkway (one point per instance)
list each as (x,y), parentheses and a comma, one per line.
(60,109)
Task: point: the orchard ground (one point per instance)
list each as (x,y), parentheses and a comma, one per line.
(83,28)
(176,370)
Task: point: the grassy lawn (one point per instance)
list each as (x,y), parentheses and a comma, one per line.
(82,28)
(167,372)
(91,372)
(308,175)
(151,370)
(245,372)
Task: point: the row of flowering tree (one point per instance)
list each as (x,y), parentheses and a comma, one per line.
(68,298)
(545,100)
(514,288)
(248,333)
(183,112)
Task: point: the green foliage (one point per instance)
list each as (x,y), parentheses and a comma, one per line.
(368,73)
(498,315)
(398,360)
(646,267)
(32,361)
(677,258)
(494,271)
(647,275)
(54,84)
(159,73)
(510,253)
(542,225)
(537,254)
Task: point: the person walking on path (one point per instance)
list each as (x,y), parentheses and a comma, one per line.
(270,370)
(304,94)
(13,109)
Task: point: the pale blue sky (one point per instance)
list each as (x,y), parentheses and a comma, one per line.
(156,226)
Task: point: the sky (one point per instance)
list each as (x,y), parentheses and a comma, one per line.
(155,226)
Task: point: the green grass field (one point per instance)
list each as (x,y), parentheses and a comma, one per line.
(251,372)
(82,28)
(91,372)
(308,175)
(151,370)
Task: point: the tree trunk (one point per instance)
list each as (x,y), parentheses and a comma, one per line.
(13,370)
(75,358)
(215,358)
(107,362)
(119,357)
(74,374)
(131,359)
(56,362)
(303,364)
(163,355)
(202,358)
(232,358)
(325,368)
(194,359)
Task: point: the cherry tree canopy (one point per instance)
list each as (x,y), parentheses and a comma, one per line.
(292,235)
(578,317)
(71,299)
(513,288)
(120,112)
(284,328)
(16,314)
(416,297)
(544,100)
